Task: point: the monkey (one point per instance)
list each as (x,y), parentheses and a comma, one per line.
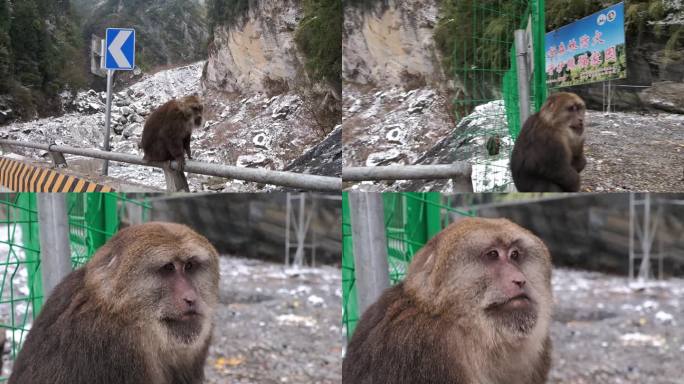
(474,308)
(549,153)
(139,312)
(168,130)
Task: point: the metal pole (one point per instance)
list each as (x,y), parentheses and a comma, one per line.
(370,247)
(610,95)
(55,252)
(631,235)
(288,216)
(258,175)
(301,232)
(108,113)
(645,268)
(408,172)
(522,69)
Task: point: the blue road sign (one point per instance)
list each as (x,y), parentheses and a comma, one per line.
(120,52)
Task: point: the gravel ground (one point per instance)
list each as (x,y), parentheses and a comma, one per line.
(629,151)
(606,331)
(276,325)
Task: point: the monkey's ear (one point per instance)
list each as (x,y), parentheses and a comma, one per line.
(101,268)
(420,277)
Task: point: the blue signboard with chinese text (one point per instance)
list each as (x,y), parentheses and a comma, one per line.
(589,50)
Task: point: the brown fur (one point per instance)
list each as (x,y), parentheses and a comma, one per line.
(442,324)
(169,128)
(549,153)
(117,319)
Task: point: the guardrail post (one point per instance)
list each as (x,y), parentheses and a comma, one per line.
(175,180)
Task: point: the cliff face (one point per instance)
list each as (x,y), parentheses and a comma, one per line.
(256,53)
(391,44)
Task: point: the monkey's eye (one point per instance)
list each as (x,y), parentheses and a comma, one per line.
(189,266)
(492,255)
(515,255)
(168,267)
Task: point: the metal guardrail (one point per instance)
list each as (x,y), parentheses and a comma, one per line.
(460,172)
(263,176)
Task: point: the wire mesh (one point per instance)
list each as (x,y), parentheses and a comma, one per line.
(411,219)
(484,69)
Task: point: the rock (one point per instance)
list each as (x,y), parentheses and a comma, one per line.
(395,134)
(666,96)
(391,156)
(281,113)
(261,140)
(258,160)
(133,130)
(6,115)
(126,111)
(420,104)
(122,102)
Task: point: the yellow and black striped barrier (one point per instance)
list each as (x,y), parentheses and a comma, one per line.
(21,177)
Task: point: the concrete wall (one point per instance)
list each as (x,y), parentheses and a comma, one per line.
(252,225)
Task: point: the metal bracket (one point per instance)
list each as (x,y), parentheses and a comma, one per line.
(58,160)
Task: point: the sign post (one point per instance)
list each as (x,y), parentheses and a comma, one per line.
(119,55)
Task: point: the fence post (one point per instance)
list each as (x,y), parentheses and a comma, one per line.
(55,252)
(370,247)
(523,72)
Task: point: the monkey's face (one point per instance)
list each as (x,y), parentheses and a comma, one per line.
(192,109)
(490,268)
(183,298)
(159,273)
(566,109)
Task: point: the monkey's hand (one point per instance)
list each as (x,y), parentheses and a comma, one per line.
(579,162)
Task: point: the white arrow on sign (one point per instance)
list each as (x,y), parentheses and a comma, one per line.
(115,49)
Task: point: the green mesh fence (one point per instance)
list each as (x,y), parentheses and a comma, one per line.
(411,219)
(93,219)
(483,63)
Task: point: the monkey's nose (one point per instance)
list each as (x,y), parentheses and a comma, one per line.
(189,302)
(519,283)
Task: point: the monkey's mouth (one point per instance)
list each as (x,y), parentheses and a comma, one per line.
(578,128)
(516,314)
(185,327)
(181,318)
(519,302)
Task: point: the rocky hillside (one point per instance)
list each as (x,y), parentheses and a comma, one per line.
(249,131)
(285,50)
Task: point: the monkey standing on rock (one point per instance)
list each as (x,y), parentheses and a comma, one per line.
(475,308)
(168,130)
(139,312)
(549,153)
